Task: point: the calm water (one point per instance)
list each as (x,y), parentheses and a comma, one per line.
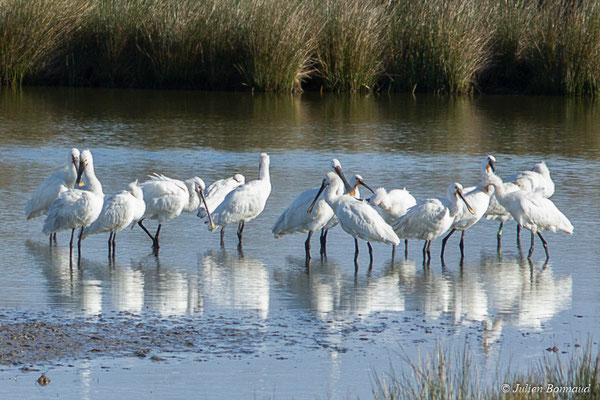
(322,334)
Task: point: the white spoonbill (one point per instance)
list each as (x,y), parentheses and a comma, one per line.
(119,210)
(216,192)
(478,198)
(166,198)
(52,186)
(532,211)
(393,205)
(351,189)
(245,202)
(357,218)
(536,180)
(295,219)
(431,218)
(77,208)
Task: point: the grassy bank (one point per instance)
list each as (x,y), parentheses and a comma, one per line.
(444,374)
(440,46)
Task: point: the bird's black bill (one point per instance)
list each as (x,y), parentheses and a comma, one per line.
(201,193)
(367,186)
(492,166)
(79,173)
(312,205)
(466,202)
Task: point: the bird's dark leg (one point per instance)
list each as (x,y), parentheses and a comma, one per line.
(155,244)
(114,244)
(531,247)
(428,250)
(240,232)
(500,236)
(425,250)
(146,230)
(393,253)
(545,246)
(307,245)
(79,245)
(444,240)
(356,253)
(370,255)
(110,244)
(71,243)
(518,235)
(323,239)
(50,240)
(461,245)
(54,237)
(222,236)
(405,248)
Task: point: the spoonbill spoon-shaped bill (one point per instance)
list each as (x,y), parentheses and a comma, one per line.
(532,211)
(52,186)
(124,208)
(216,192)
(77,208)
(295,219)
(167,198)
(431,218)
(245,202)
(478,198)
(357,218)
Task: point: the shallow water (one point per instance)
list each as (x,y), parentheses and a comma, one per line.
(310,335)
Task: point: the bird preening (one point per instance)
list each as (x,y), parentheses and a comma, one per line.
(73,199)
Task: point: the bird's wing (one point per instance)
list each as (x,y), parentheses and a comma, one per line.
(421,218)
(296,218)
(45,194)
(115,215)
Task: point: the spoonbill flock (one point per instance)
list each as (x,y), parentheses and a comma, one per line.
(72,198)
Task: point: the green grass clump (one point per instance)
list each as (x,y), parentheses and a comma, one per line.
(563,51)
(279,39)
(35,35)
(439,46)
(444,374)
(352,45)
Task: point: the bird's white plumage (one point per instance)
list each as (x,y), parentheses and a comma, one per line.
(119,210)
(216,192)
(531,209)
(246,201)
(52,186)
(357,218)
(536,180)
(295,219)
(392,204)
(430,218)
(75,208)
(478,197)
(166,198)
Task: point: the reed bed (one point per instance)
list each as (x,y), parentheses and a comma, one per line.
(439,46)
(444,374)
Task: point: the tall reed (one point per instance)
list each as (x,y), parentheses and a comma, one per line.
(280,38)
(35,34)
(439,46)
(352,45)
(564,49)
